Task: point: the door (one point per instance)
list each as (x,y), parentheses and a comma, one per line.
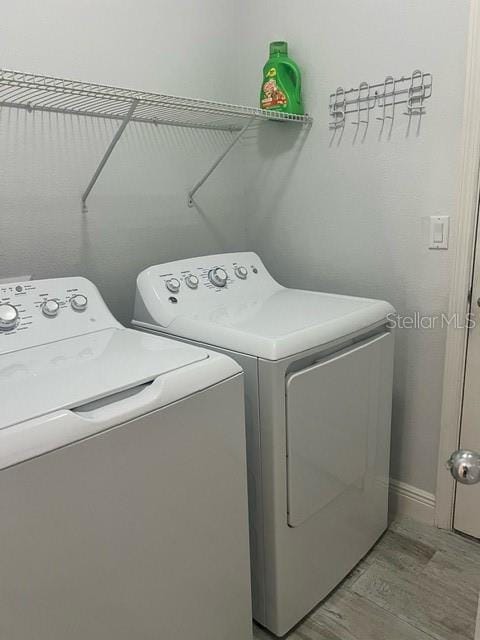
(338,426)
(467,498)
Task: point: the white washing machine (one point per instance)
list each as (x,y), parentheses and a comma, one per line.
(318,399)
(123,493)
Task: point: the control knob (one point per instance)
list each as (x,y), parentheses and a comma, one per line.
(79,302)
(218,276)
(241,272)
(173,285)
(192,281)
(50,308)
(8,317)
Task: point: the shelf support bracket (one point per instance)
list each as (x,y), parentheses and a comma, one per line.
(205,177)
(107,154)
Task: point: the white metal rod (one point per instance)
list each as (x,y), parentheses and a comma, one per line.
(198,184)
(108,153)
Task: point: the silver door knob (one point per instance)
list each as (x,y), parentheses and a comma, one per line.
(464,466)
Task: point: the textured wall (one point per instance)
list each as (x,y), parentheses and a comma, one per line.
(350,217)
(137,212)
(346,217)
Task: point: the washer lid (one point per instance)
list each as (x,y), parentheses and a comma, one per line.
(283,323)
(72,372)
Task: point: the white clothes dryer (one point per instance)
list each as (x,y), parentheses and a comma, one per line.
(123,493)
(318,373)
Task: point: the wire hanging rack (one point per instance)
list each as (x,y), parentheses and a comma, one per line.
(410,90)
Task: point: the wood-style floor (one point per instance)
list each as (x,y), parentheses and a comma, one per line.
(418,583)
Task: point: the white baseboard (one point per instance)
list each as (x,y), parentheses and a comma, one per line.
(406,500)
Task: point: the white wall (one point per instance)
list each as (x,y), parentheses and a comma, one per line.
(350,218)
(347,218)
(137,212)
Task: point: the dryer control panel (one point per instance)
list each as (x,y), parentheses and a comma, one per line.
(41,311)
(228,284)
(226,274)
(231,301)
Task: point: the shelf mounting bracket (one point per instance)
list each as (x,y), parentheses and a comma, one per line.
(205,177)
(107,154)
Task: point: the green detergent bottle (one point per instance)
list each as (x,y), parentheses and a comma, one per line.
(282,82)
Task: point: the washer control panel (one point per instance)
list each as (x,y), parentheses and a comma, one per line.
(41,311)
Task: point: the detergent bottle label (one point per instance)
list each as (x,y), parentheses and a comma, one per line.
(272,95)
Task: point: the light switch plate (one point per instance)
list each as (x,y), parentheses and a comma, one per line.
(439,231)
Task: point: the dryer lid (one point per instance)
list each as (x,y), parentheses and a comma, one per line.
(282,324)
(68,373)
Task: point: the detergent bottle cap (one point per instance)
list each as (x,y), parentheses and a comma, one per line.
(278,48)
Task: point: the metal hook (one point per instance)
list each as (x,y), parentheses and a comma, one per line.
(389,81)
(338,108)
(363,87)
(416,94)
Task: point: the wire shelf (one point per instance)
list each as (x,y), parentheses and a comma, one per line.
(33,92)
(57,95)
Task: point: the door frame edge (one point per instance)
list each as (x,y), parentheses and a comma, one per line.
(464,228)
